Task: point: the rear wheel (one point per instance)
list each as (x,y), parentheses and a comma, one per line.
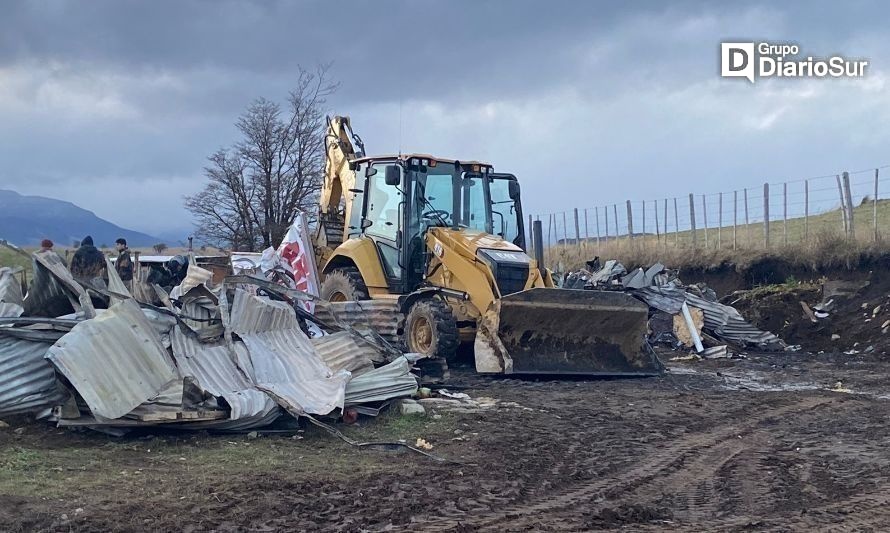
(344,284)
(430,329)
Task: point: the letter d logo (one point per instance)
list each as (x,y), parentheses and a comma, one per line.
(737,60)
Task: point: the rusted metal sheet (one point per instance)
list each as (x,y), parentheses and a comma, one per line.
(393,380)
(27,381)
(382,316)
(116,361)
(343,351)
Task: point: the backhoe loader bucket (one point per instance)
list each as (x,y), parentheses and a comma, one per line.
(562,331)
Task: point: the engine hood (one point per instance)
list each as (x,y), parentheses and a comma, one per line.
(468,241)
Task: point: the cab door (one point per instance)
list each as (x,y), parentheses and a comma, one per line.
(384,205)
(506,208)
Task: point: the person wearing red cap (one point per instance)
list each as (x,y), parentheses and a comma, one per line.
(46,248)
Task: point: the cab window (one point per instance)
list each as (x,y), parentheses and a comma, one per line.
(383,205)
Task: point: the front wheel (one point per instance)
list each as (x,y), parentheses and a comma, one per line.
(430,329)
(344,285)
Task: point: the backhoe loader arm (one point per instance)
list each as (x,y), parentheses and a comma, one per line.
(339,178)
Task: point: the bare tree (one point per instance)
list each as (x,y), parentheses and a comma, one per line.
(257,186)
(159,247)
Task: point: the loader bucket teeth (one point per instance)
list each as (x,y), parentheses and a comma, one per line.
(560,331)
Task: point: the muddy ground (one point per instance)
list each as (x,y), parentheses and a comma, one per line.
(762,443)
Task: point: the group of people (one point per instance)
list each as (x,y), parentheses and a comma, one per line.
(89,263)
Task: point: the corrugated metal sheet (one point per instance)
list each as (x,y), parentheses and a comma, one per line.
(11,310)
(667,298)
(726,323)
(214,368)
(382,316)
(252,314)
(722,321)
(46,296)
(195,276)
(343,351)
(10,293)
(115,284)
(27,381)
(286,366)
(115,361)
(59,270)
(389,381)
(246,262)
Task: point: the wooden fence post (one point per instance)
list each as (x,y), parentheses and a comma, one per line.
(565,233)
(577,229)
(549,228)
(847,192)
(766,215)
(806,210)
(785,214)
(630,221)
(704,214)
(692,219)
(586,227)
(657,233)
(735,219)
(615,212)
(720,221)
(643,232)
(676,223)
(874,204)
(665,223)
(840,192)
(596,215)
(606,218)
(747,220)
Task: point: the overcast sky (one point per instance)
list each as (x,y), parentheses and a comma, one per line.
(115,105)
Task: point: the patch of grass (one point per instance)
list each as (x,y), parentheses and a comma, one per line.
(96,462)
(824,246)
(9,258)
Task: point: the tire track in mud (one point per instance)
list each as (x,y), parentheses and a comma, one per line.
(869,511)
(665,461)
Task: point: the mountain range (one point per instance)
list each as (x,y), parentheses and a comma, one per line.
(26,220)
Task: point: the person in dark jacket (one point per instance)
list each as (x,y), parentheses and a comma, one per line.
(123,265)
(88,262)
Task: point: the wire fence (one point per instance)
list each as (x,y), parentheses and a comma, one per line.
(776,214)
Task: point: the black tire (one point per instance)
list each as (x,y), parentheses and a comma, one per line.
(344,284)
(430,329)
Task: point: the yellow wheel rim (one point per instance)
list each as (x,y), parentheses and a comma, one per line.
(422,335)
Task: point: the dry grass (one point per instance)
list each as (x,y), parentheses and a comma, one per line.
(826,249)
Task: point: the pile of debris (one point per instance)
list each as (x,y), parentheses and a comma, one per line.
(681,316)
(232,356)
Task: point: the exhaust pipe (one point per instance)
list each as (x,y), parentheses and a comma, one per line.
(538,244)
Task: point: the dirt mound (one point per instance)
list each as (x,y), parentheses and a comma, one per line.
(856,323)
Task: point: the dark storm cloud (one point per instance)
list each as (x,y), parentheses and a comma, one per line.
(95,95)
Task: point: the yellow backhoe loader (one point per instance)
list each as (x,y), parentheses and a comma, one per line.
(445,238)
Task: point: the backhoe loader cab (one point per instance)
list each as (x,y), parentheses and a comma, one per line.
(445,239)
(401,198)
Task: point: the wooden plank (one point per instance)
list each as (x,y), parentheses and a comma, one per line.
(174,416)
